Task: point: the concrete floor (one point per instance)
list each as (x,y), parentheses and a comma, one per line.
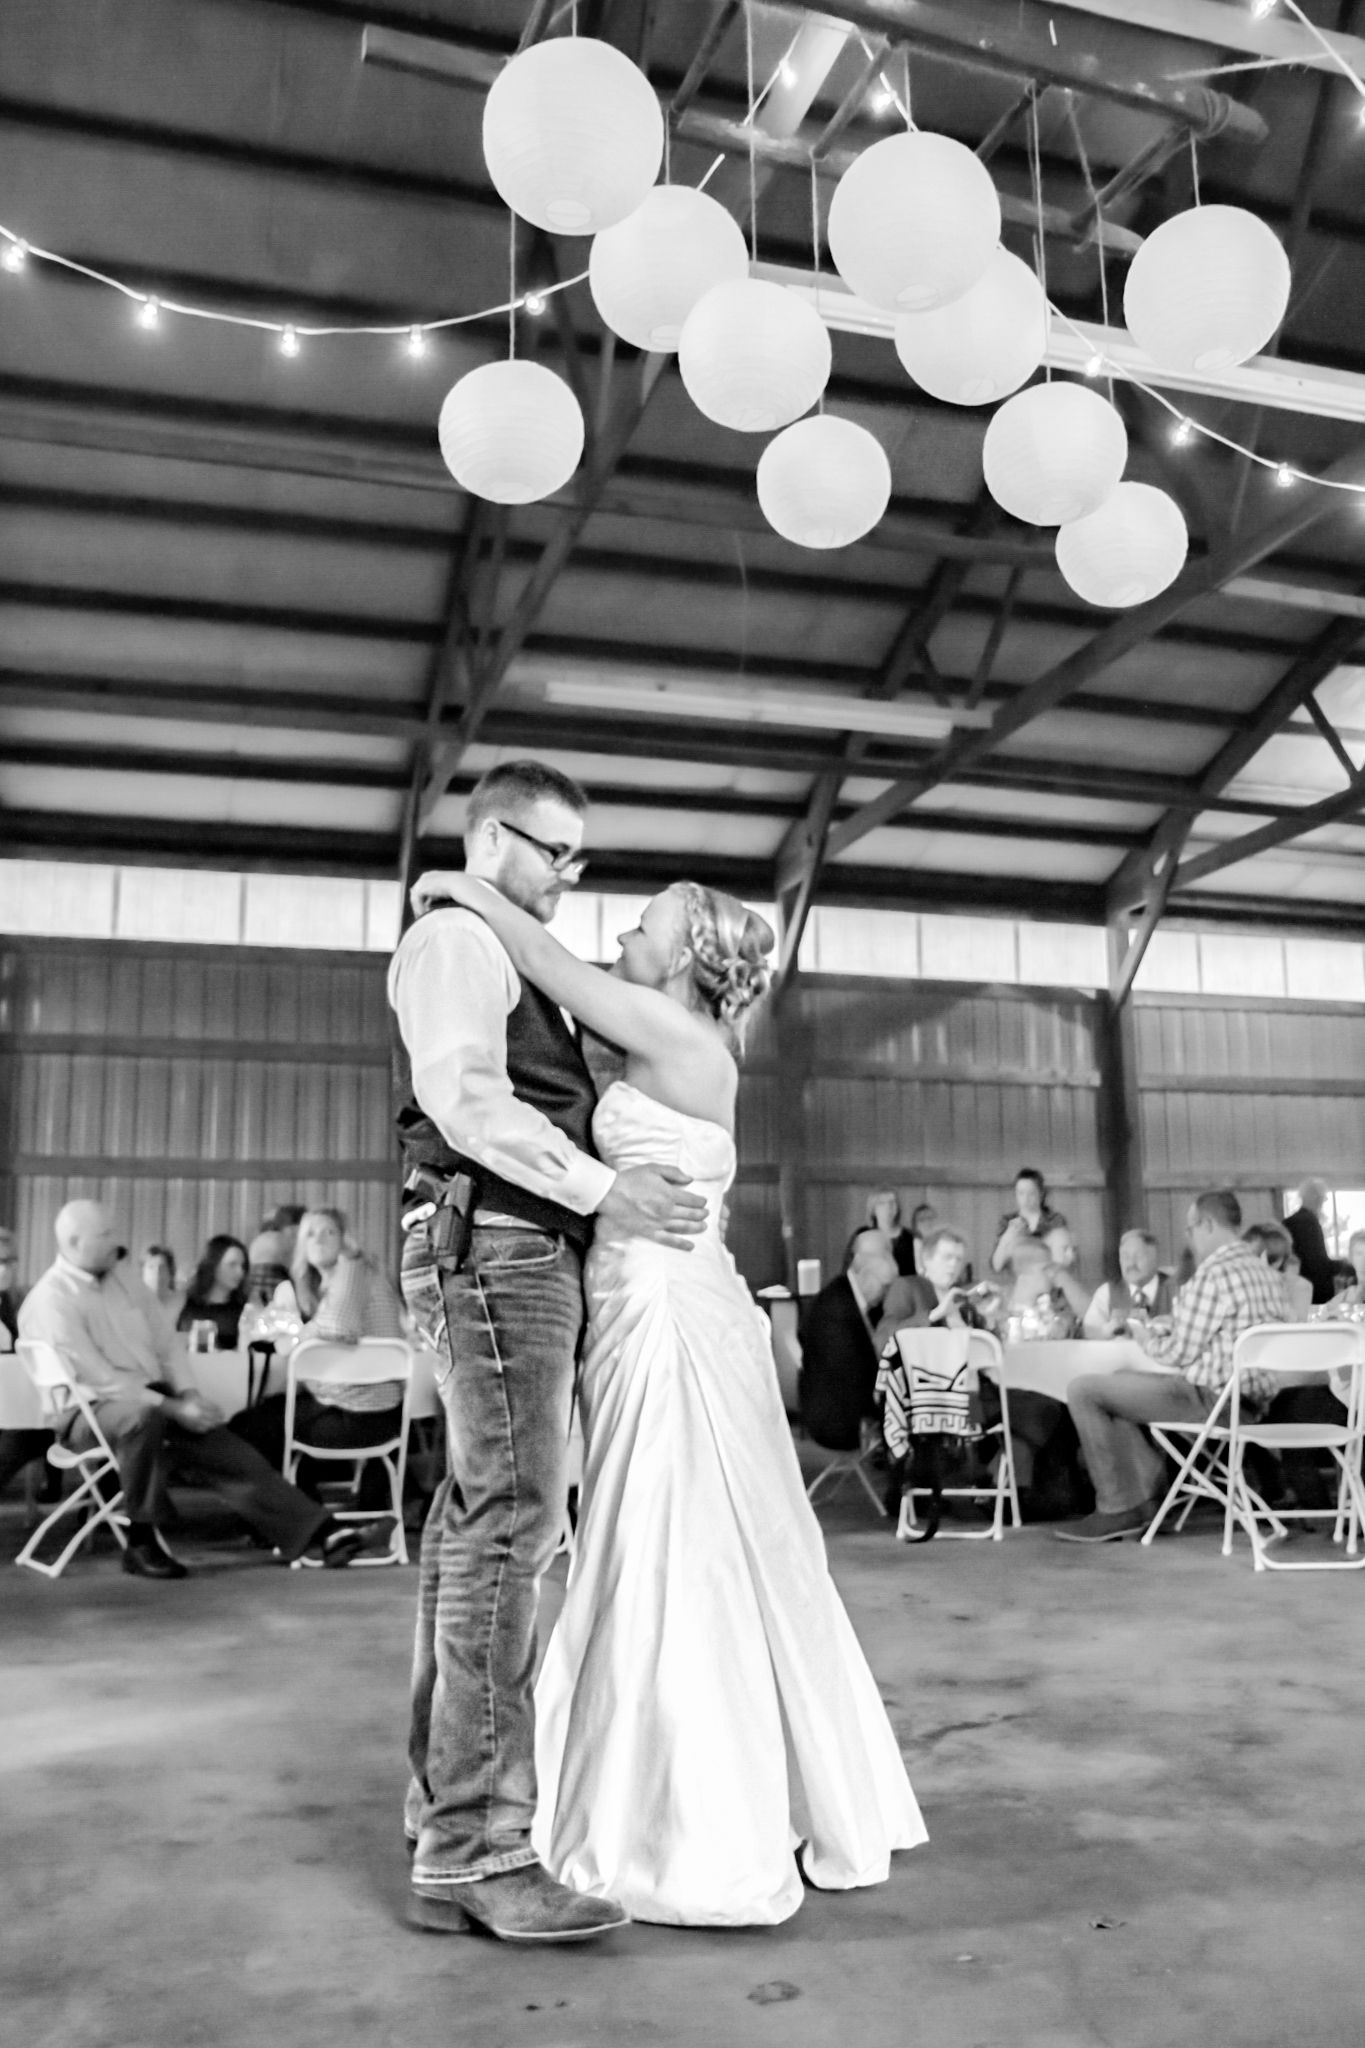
(1142,1774)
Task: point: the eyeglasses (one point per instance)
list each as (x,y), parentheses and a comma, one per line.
(564,860)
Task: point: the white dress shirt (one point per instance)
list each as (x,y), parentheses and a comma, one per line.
(1099,1311)
(453,988)
(110,1330)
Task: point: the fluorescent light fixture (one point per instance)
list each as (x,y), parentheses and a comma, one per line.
(1077,345)
(739,703)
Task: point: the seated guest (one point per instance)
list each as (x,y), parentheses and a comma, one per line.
(883,1214)
(1142,1289)
(1232,1290)
(342,1295)
(1045,1282)
(158,1276)
(20,1447)
(838,1349)
(1352,1294)
(1031,1217)
(116,1341)
(936,1295)
(271,1253)
(1310,1245)
(923,1224)
(1273,1243)
(217,1293)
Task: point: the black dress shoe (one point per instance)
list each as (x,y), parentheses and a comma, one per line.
(151,1561)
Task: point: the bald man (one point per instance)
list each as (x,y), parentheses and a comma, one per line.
(113,1336)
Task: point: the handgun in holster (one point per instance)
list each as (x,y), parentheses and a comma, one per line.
(452,1226)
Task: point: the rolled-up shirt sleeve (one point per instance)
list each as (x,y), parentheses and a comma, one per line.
(453,988)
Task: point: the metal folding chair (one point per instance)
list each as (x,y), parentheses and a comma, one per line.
(1209,1455)
(370,1362)
(847,1465)
(61,1394)
(985,1354)
(1306,1352)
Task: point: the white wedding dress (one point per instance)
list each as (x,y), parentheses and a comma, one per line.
(704,1706)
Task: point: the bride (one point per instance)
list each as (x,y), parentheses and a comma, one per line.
(704,1709)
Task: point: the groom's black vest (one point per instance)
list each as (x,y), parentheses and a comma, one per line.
(547,1070)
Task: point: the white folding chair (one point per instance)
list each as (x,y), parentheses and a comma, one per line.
(983,1353)
(1306,1352)
(61,1393)
(848,1465)
(369,1363)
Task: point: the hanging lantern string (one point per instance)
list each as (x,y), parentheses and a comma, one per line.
(1194,167)
(512,285)
(815,247)
(1097,215)
(18,250)
(1330,50)
(753,131)
(1036,167)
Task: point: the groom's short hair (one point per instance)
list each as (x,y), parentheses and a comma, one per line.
(516,785)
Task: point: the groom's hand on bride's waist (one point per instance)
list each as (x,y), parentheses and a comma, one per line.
(654,1201)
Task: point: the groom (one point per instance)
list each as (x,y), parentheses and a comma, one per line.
(501,1192)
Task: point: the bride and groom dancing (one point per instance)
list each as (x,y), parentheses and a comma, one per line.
(704,1715)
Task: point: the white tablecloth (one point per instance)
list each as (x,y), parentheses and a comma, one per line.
(1047,1368)
(20,1407)
(221,1377)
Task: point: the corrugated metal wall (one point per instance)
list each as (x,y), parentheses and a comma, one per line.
(195,1087)
(942,1090)
(1253,1094)
(192,1088)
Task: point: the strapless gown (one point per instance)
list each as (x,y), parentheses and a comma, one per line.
(704,1707)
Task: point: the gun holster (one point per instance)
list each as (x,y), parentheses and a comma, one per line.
(451,1225)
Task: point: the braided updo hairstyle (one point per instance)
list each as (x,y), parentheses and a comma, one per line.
(729,943)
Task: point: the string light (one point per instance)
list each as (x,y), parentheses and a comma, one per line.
(289,342)
(786,71)
(149,313)
(882,99)
(1182,435)
(1094,366)
(534,303)
(417,342)
(15,256)
(1285,476)
(1260,9)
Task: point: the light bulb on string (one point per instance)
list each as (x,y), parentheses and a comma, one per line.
(534,304)
(417,342)
(15,256)
(1094,366)
(786,72)
(1285,476)
(882,98)
(1261,8)
(149,313)
(289,342)
(1182,434)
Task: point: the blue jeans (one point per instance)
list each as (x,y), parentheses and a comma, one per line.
(507,1327)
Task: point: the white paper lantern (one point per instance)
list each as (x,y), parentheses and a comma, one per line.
(1207,289)
(986,344)
(647,273)
(1053,453)
(512,432)
(824,482)
(753,356)
(572,135)
(1127,551)
(914,222)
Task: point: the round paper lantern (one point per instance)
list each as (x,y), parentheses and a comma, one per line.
(1053,453)
(512,432)
(572,135)
(986,344)
(753,356)
(914,222)
(647,273)
(1127,551)
(1207,289)
(824,482)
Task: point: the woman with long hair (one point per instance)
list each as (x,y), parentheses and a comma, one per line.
(704,1705)
(341,1294)
(217,1292)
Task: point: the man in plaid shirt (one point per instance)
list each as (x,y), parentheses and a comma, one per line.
(1232,1290)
